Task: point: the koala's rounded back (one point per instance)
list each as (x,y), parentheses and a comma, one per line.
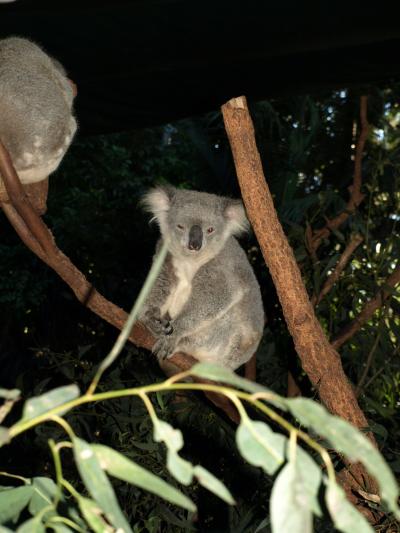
(36,97)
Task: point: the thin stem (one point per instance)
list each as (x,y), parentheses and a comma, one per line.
(64,424)
(66,521)
(149,407)
(71,489)
(126,330)
(55,452)
(14,476)
(292,445)
(143,391)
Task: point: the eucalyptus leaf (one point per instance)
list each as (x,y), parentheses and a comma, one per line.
(12,501)
(164,432)
(310,474)
(213,484)
(347,439)
(125,469)
(34,525)
(93,516)
(260,446)
(344,515)
(289,505)
(60,528)
(4,436)
(49,400)
(218,373)
(98,484)
(43,495)
(10,394)
(181,469)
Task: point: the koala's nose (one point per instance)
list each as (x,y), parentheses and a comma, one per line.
(195,238)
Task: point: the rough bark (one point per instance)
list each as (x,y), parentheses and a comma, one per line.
(318,358)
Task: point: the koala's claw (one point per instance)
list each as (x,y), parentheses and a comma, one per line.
(163,348)
(158,324)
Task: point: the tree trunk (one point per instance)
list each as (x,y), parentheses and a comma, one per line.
(319,359)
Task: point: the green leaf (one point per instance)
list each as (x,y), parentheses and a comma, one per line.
(344,515)
(4,436)
(61,528)
(347,439)
(290,510)
(49,400)
(12,501)
(93,516)
(310,474)
(218,373)
(98,484)
(213,484)
(181,469)
(44,492)
(125,469)
(164,432)
(260,446)
(10,394)
(34,525)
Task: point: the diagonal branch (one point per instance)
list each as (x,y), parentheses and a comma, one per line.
(356,196)
(369,309)
(320,361)
(39,239)
(355,241)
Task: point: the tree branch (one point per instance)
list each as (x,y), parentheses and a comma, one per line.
(356,196)
(39,239)
(355,241)
(319,360)
(369,309)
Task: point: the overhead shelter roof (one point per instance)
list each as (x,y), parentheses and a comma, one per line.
(144,62)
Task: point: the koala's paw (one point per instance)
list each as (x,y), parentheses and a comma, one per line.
(164,347)
(157,324)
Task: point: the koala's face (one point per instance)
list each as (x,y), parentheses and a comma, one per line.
(195,230)
(195,224)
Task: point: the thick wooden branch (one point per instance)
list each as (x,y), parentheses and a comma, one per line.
(369,309)
(355,241)
(21,203)
(356,196)
(319,359)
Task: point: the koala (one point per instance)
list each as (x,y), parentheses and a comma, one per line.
(36,119)
(206,300)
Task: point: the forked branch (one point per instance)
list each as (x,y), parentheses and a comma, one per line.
(39,239)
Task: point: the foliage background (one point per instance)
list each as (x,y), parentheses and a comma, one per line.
(48,339)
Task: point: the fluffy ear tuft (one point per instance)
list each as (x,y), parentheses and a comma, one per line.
(158,201)
(236,217)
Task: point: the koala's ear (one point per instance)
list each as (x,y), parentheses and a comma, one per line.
(158,201)
(236,217)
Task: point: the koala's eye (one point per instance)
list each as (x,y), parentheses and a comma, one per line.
(210,230)
(179,226)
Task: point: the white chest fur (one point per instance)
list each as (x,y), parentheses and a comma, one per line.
(180,291)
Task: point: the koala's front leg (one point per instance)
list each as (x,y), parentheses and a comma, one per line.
(157,324)
(210,298)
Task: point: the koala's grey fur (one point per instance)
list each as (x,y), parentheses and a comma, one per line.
(36,120)
(206,301)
